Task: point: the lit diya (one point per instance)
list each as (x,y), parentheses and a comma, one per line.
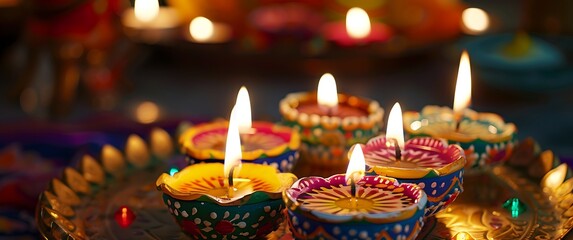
(354,206)
(262,142)
(226,201)
(430,163)
(330,123)
(357,29)
(150,22)
(203,30)
(485,137)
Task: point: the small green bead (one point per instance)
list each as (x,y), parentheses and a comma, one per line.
(173,171)
(514,206)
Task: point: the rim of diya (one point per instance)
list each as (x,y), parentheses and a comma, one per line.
(186,184)
(207,140)
(304,195)
(422,157)
(488,127)
(288,108)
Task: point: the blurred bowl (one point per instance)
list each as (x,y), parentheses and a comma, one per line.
(544,66)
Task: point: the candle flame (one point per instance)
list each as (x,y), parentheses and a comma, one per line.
(463,94)
(243,108)
(395,128)
(356,165)
(475,20)
(233,153)
(146,10)
(327,94)
(201,29)
(357,23)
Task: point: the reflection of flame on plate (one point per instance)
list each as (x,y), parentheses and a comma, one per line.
(477,222)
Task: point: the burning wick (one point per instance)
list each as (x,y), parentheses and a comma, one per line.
(231,189)
(395,130)
(354,173)
(329,111)
(353,192)
(397,150)
(458,123)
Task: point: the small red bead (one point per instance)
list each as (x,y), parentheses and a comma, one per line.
(124,216)
(224,227)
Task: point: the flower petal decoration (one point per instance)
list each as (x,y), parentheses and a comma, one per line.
(421,158)
(207,140)
(206,182)
(384,199)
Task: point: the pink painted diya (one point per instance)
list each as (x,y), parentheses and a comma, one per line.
(198,199)
(485,137)
(357,29)
(327,135)
(269,144)
(430,163)
(320,208)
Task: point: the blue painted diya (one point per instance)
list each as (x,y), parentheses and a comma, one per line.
(430,163)
(485,137)
(270,144)
(197,197)
(321,208)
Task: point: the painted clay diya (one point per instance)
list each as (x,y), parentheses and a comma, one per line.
(196,197)
(485,137)
(326,137)
(71,209)
(320,208)
(270,144)
(430,163)
(163,27)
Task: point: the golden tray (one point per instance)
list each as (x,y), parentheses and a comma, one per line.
(81,204)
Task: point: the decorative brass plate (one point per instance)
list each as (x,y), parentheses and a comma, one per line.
(528,197)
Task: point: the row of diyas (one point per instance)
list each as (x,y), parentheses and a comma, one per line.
(150,22)
(330,127)
(230,200)
(405,182)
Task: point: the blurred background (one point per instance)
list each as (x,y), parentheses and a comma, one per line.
(76,74)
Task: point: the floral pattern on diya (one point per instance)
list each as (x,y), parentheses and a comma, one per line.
(197,198)
(206,220)
(325,200)
(206,182)
(421,157)
(272,144)
(486,133)
(319,208)
(326,139)
(430,163)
